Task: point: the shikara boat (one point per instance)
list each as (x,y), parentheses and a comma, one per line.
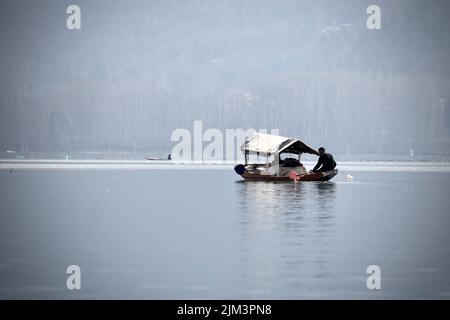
(282,160)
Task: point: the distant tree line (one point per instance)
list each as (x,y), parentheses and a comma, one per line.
(137,71)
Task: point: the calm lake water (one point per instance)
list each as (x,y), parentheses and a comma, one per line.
(207,234)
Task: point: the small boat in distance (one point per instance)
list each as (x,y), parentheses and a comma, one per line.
(280,163)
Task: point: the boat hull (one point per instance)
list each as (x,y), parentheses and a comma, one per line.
(311,176)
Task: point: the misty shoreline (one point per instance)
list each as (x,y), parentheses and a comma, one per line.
(343,166)
(162,156)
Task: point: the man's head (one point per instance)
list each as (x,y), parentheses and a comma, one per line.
(321,150)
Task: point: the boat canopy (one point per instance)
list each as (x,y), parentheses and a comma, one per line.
(267,144)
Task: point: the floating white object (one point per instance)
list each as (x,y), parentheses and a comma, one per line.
(349,178)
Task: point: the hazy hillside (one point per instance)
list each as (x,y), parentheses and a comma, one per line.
(139,69)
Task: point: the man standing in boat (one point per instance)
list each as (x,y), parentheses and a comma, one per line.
(326,161)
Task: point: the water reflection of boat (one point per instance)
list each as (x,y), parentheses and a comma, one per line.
(282,160)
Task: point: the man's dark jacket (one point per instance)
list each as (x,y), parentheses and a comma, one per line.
(327,162)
